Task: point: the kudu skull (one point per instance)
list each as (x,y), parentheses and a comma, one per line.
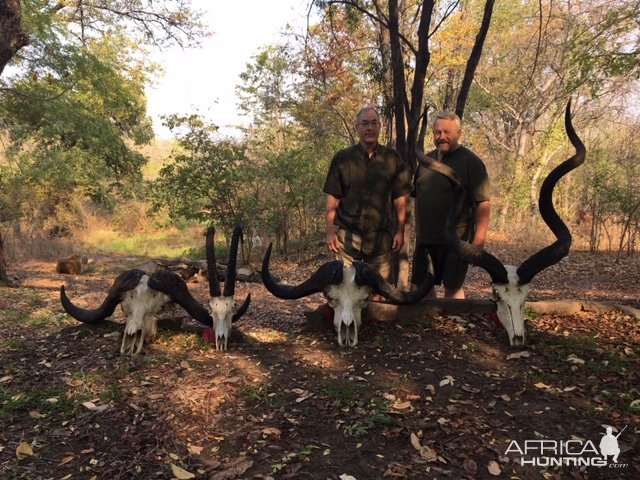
(511,284)
(141,297)
(347,289)
(222,304)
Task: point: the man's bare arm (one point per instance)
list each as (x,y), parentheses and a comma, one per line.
(331,210)
(483,212)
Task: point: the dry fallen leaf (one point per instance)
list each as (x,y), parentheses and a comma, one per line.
(194,450)
(396,470)
(428,453)
(66,460)
(185,364)
(237,468)
(271,431)
(181,473)
(232,380)
(95,408)
(494,468)
(303,397)
(573,358)
(415,441)
(448,380)
(344,476)
(470,467)
(401,406)
(522,354)
(24,450)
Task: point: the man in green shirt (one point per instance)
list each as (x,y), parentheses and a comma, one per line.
(366,186)
(434,196)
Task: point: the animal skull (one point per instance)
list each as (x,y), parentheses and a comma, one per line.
(510,298)
(510,283)
(141,297)
(141,307)
(221,304)
(347,289)
(347,300)
(222,310)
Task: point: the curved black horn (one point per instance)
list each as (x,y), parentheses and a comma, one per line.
(468,252)
(214,283)
(243,308)
(367,275)
(124,282)
(171,284)
(329,273)
(230,282)
(559,249)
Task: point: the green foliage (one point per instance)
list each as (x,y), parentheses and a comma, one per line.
(261,394)
(204,183)
(76,105)
(611,197)
(345,393)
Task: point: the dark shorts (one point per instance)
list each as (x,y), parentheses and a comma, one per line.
(447,268)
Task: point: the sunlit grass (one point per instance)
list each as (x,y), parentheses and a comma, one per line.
(170,243)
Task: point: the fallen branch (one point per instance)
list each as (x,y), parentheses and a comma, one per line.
(386,312)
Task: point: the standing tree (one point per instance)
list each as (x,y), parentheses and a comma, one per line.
(75,104)
(408,30)
(12,39)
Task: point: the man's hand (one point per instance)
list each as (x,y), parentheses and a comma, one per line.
(398,241)
(332,241)
(478,243)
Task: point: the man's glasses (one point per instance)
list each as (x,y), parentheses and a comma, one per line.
(367,123)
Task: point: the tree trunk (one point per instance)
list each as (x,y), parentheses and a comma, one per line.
(12,37)
(4,278)
(474,58)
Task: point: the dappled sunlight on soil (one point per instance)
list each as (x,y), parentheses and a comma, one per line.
(420,398)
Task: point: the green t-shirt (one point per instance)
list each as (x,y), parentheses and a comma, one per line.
(434,194)
(367,187)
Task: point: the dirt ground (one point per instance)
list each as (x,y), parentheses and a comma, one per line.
(431,397)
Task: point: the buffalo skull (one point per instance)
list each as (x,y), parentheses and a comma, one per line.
(347,289)
(141,297)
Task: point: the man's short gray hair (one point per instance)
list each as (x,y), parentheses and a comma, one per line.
(366,109)
(447,115)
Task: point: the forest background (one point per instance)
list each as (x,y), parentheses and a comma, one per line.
(80,169)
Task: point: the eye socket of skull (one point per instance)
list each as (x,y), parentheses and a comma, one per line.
(361,303)
(333,302)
